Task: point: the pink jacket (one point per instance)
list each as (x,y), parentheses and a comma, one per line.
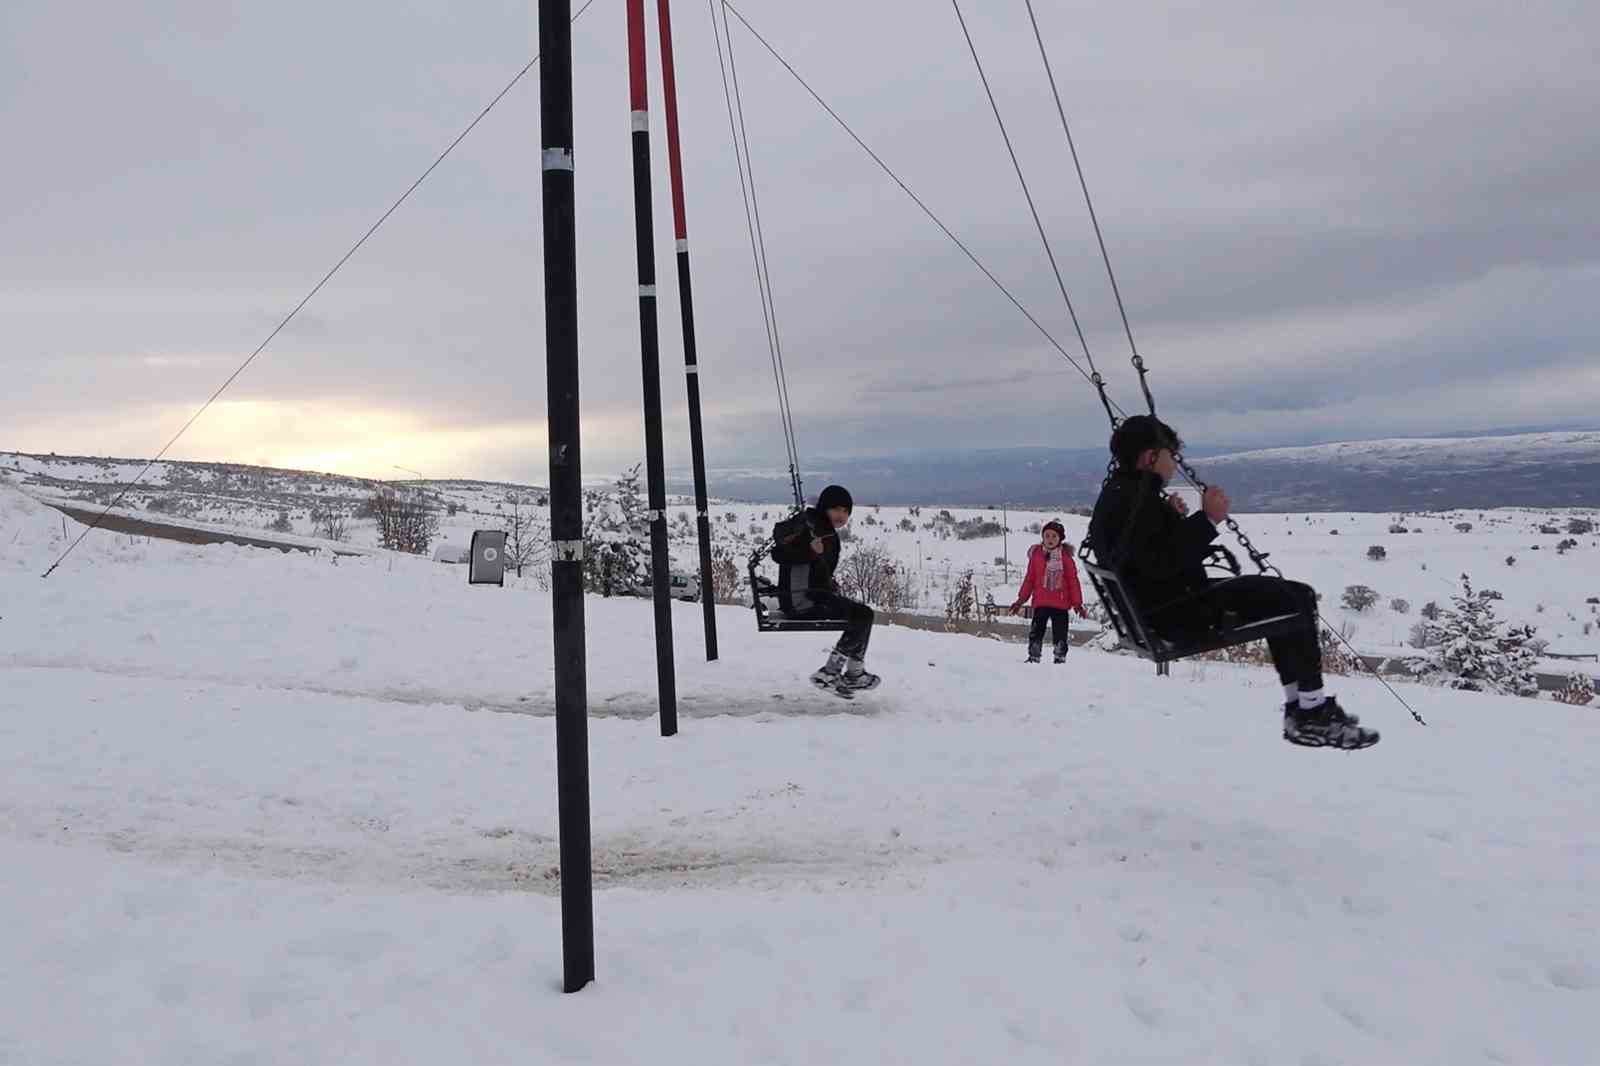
(1067,593)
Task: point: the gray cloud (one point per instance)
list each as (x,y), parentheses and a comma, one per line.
(1358,220)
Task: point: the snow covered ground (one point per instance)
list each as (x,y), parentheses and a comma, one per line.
(259,808)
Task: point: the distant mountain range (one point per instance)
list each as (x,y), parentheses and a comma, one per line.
(1549,469)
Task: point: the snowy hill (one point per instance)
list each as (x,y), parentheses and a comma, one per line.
(248,813)
(1523,470)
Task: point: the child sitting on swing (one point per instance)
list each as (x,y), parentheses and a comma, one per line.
(1052,582)
(1159,550)
(806,549)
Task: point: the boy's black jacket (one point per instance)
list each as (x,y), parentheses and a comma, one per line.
(791,546)
(1159,554)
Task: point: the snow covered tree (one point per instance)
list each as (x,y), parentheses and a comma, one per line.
(1476,652)
(616,549)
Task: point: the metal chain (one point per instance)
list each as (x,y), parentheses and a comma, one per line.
(1256,556)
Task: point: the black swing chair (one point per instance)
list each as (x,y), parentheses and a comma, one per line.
(768,602)
(1134,628)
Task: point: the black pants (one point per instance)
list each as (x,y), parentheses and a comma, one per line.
(1056,618)
(1297,655)
(853,641)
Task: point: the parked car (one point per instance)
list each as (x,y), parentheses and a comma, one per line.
(684,586)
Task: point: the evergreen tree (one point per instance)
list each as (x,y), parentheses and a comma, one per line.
(1476,652)
(616,555)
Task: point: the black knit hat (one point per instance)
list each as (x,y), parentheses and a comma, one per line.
(835,496)
(1138,434)
(1061,530)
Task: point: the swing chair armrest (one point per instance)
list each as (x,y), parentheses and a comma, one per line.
(1227,562)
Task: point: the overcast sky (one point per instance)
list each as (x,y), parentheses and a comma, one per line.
(1329,221)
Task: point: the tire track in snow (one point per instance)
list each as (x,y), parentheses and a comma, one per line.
(623,705)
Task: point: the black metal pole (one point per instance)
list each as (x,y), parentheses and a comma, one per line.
(650,359)
(691,358)
(566,493)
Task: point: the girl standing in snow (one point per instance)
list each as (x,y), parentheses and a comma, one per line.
(1052,581)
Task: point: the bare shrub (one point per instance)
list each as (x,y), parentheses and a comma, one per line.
(961,601)
(523,546)
(330,524)
(724,576)
(405,521)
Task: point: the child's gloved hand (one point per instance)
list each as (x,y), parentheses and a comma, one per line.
(1015,607)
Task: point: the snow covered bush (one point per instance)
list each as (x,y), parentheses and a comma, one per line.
(1580,526)
(1359,597)
(1476,652)
(1579,689)
(1400,605)
(1377,553)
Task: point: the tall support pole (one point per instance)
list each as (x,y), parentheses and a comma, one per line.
(691,359)
(566,492)
(650,358)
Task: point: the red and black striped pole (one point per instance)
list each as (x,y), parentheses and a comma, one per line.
(691,361)
(650,358)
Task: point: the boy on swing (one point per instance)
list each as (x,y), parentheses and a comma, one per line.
(806,549)
(1159,550)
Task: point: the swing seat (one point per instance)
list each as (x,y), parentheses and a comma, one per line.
(1135,629)
(770,616)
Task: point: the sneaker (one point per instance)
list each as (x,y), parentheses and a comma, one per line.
(860,681)
(1061,653)
(1326,726)
(1340,713)
(1031,659)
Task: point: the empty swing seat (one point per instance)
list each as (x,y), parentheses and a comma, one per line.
(770,616)
(1134,627)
